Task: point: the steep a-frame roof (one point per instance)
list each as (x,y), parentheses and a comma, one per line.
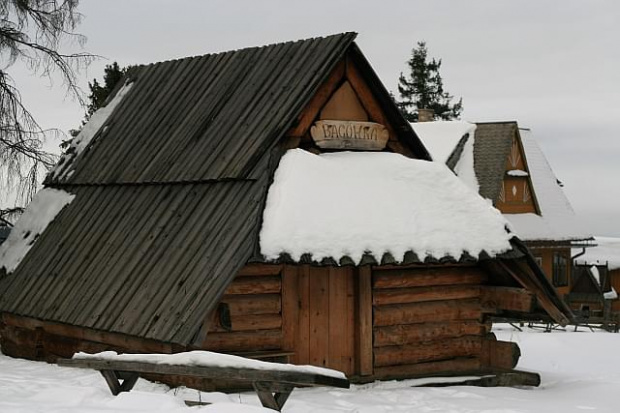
(169,187)
(492,141)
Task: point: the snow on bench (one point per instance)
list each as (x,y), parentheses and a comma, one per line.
(273,382)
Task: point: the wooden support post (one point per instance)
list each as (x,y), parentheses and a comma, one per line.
(272,395)
(113,378)
(364,307)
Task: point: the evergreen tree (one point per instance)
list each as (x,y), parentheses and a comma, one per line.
(98,94)
(423,88)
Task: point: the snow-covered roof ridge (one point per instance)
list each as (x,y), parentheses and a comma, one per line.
(46,204)
(88,132)
(351,204)
(606,251)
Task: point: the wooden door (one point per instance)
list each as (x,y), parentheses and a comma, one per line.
(319,316)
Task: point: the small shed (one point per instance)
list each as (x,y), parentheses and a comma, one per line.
(252,202)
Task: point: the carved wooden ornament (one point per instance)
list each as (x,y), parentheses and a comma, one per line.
(340,134)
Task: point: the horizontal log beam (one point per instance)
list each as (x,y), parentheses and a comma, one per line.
(259,270)
(422,294)
(425,277)
(118,340)
(244,341)
(434,311)
(508,299)
(457,366)
(251,322)
(255,285)
(240,305)
(417,333)
(470,346)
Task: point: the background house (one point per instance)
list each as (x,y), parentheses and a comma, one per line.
(505,164)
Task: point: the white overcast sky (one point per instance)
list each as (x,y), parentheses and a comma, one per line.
(554,66)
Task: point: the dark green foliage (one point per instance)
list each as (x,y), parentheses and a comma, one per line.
(423,88)
(98,93)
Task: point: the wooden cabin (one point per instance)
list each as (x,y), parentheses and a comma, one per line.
(508,167)
(605,257)
(159,249)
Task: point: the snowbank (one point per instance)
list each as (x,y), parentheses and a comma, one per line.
(606,251)
(88,132)
(40,213)
(579,372)
(209,359)
(346,204)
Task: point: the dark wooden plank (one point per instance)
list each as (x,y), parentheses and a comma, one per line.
(415,333)
(434,368)
(507,298)
(364,311)
(244,341)
(242,305)
(319,316)
(338,330)
(312,109)
(250,270)
(302,355)
(434,311)
(290,307)
(501,379)
(228,373)
(255,285)
(424,277)
(421,294)
(469,346)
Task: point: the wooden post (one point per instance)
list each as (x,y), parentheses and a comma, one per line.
(364,310)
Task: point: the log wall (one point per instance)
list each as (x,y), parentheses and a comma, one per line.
(430,321)
(249,315)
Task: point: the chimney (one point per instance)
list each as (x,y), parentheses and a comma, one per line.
(426,115)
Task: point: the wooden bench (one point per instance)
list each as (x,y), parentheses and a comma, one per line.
(273,387)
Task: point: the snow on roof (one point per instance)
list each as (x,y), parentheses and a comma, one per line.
(442,137)
(81,141)
(40,212)
(606,251)
(557,220)
(208,359)
(346,204)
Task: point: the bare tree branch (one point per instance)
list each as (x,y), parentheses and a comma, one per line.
(33,32)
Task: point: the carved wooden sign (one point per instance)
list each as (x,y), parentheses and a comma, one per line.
(342,134)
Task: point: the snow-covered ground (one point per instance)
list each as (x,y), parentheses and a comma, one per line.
(580,372)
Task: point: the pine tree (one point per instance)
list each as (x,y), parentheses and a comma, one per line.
(98,94)
(423,88)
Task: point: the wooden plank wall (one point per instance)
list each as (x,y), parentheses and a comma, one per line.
(431,321)
(249,316)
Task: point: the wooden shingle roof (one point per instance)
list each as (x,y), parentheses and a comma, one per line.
(169,192)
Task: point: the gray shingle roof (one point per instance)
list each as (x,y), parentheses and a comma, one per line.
(491,149)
